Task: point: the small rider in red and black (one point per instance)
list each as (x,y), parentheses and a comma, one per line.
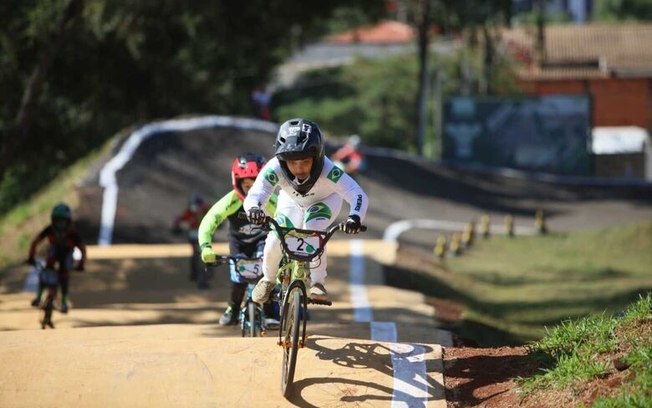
(350,157)
(62,238)
(191,218)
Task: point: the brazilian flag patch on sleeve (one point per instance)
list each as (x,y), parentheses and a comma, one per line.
(271,176)
(335,174)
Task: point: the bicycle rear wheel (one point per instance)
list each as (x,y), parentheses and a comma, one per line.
(48,307)
(291,323)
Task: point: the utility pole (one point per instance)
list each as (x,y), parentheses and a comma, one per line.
(541,33)
(422,96)
(438,116)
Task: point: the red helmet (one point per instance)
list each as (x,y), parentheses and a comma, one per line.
(245,166)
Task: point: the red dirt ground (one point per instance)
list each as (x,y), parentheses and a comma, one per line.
(486,377)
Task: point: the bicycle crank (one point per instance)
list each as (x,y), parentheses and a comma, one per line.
(286,344)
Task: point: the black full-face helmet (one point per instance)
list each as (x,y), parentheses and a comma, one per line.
(61,217)
(299,139)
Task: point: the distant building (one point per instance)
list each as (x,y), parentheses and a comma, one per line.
(384,33)
(622,151)
(381,40)
(611,63)
(384,39)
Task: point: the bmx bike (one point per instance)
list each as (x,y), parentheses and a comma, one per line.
(300,247)
(49,278)
(251,315)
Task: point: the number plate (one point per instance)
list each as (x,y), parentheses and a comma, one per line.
(303,245)
(249,268)
(49,277)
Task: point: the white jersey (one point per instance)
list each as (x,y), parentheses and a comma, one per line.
(331,180)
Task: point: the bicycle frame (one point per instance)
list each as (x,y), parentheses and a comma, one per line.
(300,247)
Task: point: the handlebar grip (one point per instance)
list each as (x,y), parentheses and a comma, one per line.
(220,260)
(363,228)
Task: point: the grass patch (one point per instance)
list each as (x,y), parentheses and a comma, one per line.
(19,226)
(534,281)
(577,353)
(512,288)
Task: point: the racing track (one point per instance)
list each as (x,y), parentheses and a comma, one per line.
(140,334)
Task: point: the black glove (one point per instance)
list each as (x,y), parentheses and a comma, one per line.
(176,230)
(256,216)
(352,225)
(80,267)
(31,261)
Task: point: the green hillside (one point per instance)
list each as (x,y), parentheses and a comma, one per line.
(511,289)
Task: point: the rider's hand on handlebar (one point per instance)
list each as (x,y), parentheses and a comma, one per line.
(256,216)
(30,261)
(208,255)
(352,225)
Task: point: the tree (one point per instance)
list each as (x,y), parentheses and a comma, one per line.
(19,131)
(615,10)
(73,73)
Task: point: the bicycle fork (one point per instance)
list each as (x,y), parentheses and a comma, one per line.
(288,304)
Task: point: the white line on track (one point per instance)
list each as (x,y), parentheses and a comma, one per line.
(408,361)
(361,309)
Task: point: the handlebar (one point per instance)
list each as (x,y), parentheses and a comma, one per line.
(225,259)
(323,236)
(249,269)
(328,233)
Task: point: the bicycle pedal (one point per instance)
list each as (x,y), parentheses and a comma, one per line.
(321,302)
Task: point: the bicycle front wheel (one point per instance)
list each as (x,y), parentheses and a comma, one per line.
(291,322)
(48,307)
(252,324)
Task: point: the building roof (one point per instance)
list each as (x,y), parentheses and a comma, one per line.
(385,32)
(584,51)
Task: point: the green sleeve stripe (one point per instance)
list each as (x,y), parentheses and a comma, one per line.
(270,206)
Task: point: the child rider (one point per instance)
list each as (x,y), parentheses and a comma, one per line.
(245,238)
(62,238)
(312,189)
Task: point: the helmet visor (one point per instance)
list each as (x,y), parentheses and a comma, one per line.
(60,224)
